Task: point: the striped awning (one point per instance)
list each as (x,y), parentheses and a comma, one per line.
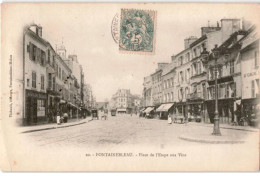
(149,109)
(122,109)
(164,107)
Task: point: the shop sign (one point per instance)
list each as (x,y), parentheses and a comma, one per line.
(41,111)
(35,94)
(252,74)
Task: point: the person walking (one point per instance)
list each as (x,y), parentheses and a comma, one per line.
(169,119)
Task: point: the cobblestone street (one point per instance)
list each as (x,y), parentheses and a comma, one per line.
(125,130)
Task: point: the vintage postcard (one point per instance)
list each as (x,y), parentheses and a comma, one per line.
(129,87)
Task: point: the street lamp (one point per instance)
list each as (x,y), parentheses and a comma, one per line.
(216,130)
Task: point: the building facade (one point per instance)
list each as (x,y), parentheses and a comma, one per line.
(250,74)
(49,86)
(35,75)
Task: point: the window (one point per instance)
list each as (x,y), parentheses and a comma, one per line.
(181,60)
(59,72)
(42,82)
(181,76)
(53,60)
(40,108)
(43,57)
(28,82)
(253,88)
(33,79)
(222,91)
(49,81)
(188,75)
(199,67)
(204,90)
(53,83)
(231,67)
(49,56)
(34,53)
(172,96)
(188,57)
(233,90)
(256,58)
(257,85)
(195,52)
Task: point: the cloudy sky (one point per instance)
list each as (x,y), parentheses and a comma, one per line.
(86,31)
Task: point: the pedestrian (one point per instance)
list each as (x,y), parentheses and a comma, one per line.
(65,117)
(58,119)
(169,119)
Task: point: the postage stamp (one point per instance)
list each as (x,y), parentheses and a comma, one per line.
(137,31)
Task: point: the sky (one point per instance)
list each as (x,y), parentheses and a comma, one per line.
(85,30)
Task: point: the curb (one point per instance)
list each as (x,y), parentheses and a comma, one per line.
(210,141)
(56,127)
(230,128)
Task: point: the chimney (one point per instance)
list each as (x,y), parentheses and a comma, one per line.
(189,41)
(39,31)
(173,57)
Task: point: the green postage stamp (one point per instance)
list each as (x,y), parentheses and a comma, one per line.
(137,31)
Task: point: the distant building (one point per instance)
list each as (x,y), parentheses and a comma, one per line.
(125,102)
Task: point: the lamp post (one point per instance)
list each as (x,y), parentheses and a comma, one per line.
(216,130)
(205,56)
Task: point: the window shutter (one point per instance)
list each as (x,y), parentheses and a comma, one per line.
(31,51)
(28,47)
(38,54)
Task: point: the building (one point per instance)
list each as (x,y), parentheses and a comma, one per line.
(53,95)
(157,85)
(49,87)
(191,79)
(122,100)
(35,51)
(250,74)
(167,77)
(147,91)
(228,79)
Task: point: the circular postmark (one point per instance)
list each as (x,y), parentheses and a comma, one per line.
(115,28)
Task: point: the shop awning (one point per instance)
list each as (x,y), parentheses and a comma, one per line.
(164,107)
(62,101)
(160,108)
(122,109)
(149,109)
(142,109)
(72,104)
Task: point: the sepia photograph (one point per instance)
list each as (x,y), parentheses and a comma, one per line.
(130,87)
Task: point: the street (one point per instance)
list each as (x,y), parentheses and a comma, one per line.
(123,130)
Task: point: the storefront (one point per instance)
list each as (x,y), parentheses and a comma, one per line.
(195,110)
(121,110)
(149,112)
(72,110)
(225,110)
(164,110)
(250,110)
(35,107)
(181,109)
(52,105)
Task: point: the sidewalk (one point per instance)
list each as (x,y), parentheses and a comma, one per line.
(235,135)
(49,126)
(226,126)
